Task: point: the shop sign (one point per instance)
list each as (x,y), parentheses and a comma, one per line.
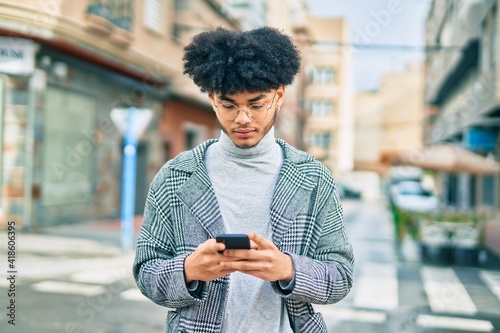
(481,138)
(17,56)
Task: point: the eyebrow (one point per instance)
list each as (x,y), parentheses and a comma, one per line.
(255,99)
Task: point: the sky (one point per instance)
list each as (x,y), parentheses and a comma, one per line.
(378,22)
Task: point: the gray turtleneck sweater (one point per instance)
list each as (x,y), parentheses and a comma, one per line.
(244,181)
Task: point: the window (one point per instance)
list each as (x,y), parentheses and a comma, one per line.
(322,75)
(320,139)
(320,107)
(489,41)
(191,139)
(99,8)
(489,190)
(194,134)
(153,15)
(494,35)
(181,4)
(68,154)
(119,12)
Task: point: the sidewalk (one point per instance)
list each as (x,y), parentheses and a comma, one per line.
(105,232)
(67,249)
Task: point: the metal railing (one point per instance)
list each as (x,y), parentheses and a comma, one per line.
(118,12)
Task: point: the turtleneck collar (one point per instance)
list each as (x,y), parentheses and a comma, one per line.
(265,145)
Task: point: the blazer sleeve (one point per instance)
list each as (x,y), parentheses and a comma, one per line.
(325,275)
(158,272)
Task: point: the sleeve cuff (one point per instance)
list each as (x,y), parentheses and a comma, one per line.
(193,286)
(287,286)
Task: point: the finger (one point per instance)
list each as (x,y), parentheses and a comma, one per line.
(242,265)
(239,254)
(226,271)
(253,245)
(213,246)
(261,242)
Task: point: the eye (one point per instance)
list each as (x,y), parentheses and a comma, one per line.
(228,106)
(256,107)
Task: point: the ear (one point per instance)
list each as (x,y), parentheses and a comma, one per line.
(211,98)
(280,94)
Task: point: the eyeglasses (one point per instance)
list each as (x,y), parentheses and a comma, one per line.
(256,112)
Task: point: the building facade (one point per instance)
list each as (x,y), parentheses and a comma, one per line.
(327,96)
(462,95)
(368,132)
(64,65)
(317,114)
(389,122)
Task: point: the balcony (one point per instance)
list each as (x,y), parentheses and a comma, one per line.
(111,17)
(458,34)
(194,16)
(456,69)
(468,106)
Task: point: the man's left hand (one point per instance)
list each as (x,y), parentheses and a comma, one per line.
(266,262)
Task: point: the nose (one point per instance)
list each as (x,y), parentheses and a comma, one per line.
(243,117)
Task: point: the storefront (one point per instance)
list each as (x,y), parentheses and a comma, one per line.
(60,151)
(465,179)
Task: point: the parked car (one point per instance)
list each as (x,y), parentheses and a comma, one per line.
(404,173)
(348,192)
(413,197)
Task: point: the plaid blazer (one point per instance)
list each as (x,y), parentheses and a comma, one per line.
(182,212)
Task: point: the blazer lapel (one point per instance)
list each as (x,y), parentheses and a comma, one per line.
(292,190)
(198,195)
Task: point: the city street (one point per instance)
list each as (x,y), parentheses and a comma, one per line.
(394,292)
(75,279)
(112,109)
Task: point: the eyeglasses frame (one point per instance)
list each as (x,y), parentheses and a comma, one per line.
(247,111)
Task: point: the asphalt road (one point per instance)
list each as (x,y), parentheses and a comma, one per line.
(71,285)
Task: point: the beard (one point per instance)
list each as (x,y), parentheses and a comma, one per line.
(265,130)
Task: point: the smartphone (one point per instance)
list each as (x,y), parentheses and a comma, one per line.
(234,241)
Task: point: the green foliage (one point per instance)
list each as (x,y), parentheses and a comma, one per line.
(407,223)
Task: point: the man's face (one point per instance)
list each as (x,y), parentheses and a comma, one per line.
(254,114)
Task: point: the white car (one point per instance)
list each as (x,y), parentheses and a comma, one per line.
(413,197)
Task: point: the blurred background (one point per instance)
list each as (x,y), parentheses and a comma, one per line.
(398,98)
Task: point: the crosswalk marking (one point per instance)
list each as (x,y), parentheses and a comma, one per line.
(4,283)
(445,292)
(462,324)
(374,296)
(349,314)
(100,276)
(134,294)
(377,287)
(492,280)
(60,287)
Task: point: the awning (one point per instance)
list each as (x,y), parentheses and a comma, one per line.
(451,158)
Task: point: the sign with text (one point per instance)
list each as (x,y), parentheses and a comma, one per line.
(17,56)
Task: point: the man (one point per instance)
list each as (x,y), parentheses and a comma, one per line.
(246,182)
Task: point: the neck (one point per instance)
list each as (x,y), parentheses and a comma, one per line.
(265,145)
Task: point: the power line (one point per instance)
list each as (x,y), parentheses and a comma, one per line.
(358,46)
(384,47)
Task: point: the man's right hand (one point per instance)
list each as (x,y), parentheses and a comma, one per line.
(204,263)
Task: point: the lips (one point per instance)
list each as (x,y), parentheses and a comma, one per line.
(244,133)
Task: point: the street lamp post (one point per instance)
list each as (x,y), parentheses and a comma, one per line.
(131,122)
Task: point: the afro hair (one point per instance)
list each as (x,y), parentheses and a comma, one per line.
(229,62)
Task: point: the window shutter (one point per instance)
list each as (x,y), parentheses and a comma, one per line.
(154,15)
